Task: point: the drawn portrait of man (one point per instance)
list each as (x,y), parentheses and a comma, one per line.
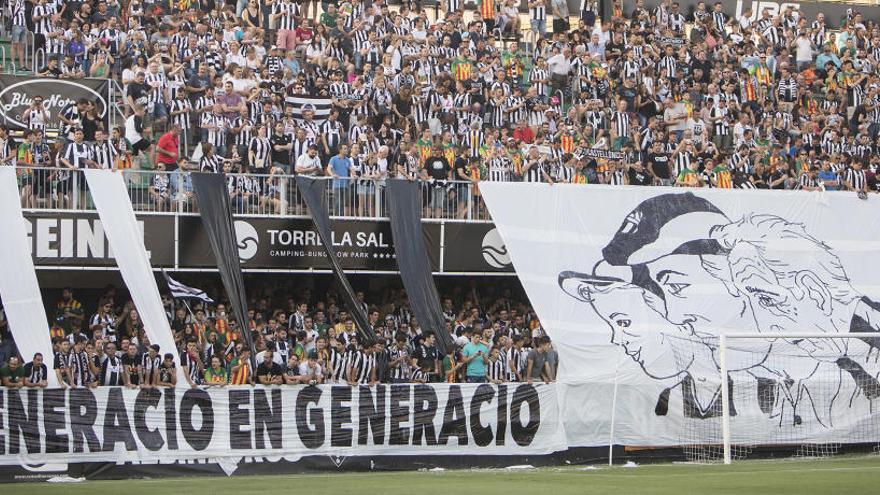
(678,272)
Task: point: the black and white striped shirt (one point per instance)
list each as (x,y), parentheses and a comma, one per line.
(290,11)
(262,149)
(111,372)
(216,137)
(333,132)
(856,178)
(157,82)
(77,154)
(807,181)
(539,74)
(178,105)
(34,373)
(149,365)
(536,171)
(243,138)
(496,370)
(538,12)
(338,365)
(786,89)
(213,164)
(621,123)
(401,371)
(363,365)
(79,369)
(18,14)
(105,154)
(720,20)
(71,113)
(721,126)
(44,24)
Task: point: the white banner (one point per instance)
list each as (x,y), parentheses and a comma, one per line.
(635,284)
(19,290)
(114,424)
(111,199)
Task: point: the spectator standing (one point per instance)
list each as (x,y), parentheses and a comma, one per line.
(340,169)
(168,146)
(476,356)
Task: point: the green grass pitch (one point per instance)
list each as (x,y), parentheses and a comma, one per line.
(849,476)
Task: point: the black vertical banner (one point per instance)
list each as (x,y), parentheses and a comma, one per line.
(216,213)
(313,193)
(412,259)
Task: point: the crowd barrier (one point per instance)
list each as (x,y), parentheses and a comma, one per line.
(251,194)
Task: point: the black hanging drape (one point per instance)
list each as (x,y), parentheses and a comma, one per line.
(313,193)
(412,259)
(216,213)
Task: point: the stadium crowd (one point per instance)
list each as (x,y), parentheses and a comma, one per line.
(295,343)
(651,96)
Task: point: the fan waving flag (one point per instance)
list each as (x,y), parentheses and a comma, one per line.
(300,103)
(180,291)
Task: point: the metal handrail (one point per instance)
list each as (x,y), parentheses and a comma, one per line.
(38,53)
(276,195)
(30,51)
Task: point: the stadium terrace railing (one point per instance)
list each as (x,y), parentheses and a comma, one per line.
(251,194)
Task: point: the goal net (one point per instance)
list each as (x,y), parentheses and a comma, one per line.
(809,395)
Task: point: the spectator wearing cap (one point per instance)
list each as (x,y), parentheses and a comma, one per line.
(310,372)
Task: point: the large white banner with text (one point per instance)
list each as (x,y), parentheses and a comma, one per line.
(223,425)
(634,285)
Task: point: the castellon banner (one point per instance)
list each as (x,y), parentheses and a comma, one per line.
(634,285)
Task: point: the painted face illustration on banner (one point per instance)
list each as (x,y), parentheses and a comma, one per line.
(654,290)
(678,272)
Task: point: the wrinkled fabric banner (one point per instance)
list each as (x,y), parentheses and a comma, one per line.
(405,210)
(121,228)
(225,425)
(216,214)
(635,285)
(313,193)
(19,290)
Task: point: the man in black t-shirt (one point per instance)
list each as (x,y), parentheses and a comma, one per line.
(131,365)
(426,356)
(658,165)
(638,176)
(35,373)
(436,170)
(136,89)
(269,372)
(281,145)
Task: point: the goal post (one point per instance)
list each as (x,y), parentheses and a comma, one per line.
(792,390)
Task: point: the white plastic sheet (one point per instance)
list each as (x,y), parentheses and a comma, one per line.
(19,290)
